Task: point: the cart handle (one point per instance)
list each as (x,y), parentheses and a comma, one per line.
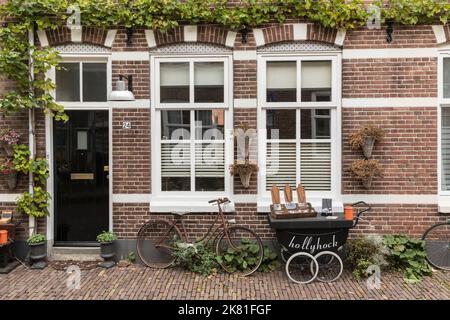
(358,215)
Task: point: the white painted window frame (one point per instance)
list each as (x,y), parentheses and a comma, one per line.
(191,60)
(106,106)
(443,103)
(194,201)
(264,197)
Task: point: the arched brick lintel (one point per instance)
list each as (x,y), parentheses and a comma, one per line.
(64,35)
(298,32)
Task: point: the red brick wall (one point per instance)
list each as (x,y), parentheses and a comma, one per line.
(408,154)
(245,79)
(140,70)
(389,78)
(131,151)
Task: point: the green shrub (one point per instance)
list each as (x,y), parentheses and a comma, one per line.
(408,255)
(36,239)
(243,259)
(270,261)
(364,252)
(106,237)
(198,258)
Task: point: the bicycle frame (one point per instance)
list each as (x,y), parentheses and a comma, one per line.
(223,225)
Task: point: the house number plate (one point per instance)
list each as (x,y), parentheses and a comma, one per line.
(126,125)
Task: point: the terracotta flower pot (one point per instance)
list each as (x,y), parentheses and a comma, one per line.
(245,178)
(11,180)
(369,142)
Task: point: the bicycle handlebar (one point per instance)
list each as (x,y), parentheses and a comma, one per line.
(219,200)
(367,208)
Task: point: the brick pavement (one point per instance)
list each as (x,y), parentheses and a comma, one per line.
(136,282)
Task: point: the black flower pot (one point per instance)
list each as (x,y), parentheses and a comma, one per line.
(107,252)
(38,255)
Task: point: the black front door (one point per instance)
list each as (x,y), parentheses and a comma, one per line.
(81,160)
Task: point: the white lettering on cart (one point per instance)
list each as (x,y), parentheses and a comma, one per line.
(311,246)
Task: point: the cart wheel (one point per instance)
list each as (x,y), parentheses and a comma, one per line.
(299,270)
(330,266)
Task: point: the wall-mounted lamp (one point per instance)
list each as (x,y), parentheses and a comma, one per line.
(129,32)
(244,34)
(122,93)
(389,30)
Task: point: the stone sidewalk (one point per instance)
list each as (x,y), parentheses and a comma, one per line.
(136,282)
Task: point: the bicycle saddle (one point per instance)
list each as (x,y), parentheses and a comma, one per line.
(179,213)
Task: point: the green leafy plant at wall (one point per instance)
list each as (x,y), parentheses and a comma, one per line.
(198,258)
(407,255)
(34,205)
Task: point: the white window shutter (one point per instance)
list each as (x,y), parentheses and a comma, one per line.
(315,169)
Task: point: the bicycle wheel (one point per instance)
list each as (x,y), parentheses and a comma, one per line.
(240,251)
(437,245)
(154,243)
(330,266)
(299,270)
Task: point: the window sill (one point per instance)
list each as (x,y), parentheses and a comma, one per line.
(444,204)
(197,205)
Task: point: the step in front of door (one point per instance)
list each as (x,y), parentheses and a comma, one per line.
(75,253)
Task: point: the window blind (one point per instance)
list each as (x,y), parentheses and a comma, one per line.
(315,166)
(175,160)
(209,160)
(281,164)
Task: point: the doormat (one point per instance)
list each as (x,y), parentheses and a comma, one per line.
(63,265)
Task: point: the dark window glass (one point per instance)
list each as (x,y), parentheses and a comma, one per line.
(209,80)
(175,124)
(282,120)
(174,82)
(68,82)
(315,124)
(209,124)
(94,82)
(281,81)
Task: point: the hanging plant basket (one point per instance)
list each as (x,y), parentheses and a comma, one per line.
(11,180)
(244,171)
(245,178)
(368,182)
(369,142)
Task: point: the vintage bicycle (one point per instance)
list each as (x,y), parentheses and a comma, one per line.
(437,245)
(158,237)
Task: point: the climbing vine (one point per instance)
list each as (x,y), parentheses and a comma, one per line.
(27,64)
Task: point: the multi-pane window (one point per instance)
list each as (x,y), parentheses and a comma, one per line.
(192,150)
(191,104)
(81,82)
(299,148)
(445,124)
(299,103)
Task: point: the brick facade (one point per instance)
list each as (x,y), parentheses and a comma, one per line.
(408,154)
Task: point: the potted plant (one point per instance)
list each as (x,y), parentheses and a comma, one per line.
(107,250)
(243,167)
(38,251)
(244,171)
(365,139)
(8,170)
(8,139)
(364,170)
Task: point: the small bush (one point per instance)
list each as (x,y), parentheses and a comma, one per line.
(408,255)
(198,258)
(364,252)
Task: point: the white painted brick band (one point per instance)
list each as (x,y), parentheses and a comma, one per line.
(190,33)
(42,35)
(110,37)
(300,31)
(259,37)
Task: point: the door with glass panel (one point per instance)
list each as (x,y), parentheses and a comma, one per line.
(81,154)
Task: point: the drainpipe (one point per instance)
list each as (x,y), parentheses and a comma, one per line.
(31,139)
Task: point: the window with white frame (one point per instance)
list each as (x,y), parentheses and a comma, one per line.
(81,82)
(445,123)
(191,108)
(300,98)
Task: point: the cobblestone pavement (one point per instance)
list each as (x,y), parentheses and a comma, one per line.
(136,282)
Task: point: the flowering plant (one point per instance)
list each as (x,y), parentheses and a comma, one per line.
(7,167)
(9,136)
